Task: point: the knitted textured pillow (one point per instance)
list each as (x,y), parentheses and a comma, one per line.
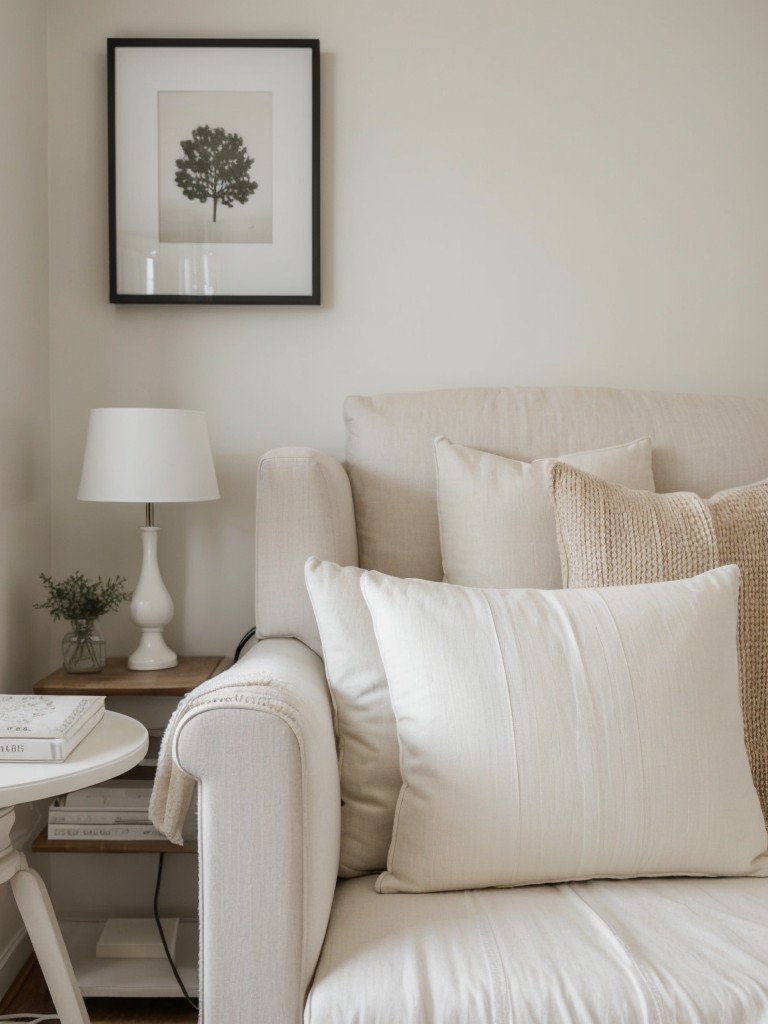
(610,535)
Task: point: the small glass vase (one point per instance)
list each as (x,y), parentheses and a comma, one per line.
(84,648)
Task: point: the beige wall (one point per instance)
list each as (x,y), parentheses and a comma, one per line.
(24,396)
(528,192)
(24,400)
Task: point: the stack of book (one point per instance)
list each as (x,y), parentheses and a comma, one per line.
(45,728)
(110,811)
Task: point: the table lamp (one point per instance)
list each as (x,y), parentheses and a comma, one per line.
(148,456)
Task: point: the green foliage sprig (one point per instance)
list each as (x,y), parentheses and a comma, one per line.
(79,598)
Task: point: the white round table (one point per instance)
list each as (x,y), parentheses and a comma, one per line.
(114,746)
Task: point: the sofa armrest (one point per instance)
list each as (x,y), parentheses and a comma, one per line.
(264,757)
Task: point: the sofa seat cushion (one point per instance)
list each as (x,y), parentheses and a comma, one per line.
(660,951)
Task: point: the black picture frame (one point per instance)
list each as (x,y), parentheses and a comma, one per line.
(214,171)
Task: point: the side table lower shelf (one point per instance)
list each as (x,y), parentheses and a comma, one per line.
(125,977)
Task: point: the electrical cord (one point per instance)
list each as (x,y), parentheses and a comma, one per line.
(28,1018)
(238,651)
(243,642)
(156,913)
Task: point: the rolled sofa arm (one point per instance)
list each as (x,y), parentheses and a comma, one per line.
(261,746)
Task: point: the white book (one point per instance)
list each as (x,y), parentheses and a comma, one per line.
(60,814)
(132,830)
(128,795)
(45,728)
(121,832)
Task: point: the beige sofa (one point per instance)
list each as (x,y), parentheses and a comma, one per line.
(283,939)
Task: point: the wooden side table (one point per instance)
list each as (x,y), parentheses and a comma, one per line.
(117,679)
(114,746)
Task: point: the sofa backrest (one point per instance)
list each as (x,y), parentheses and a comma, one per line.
(701,443)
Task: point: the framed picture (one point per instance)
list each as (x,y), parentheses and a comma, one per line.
(214,171)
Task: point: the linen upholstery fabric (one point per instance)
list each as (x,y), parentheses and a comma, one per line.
(364,722)
(560,735)
(266,886)
(701,443)
(650,951)
(259,740)
(496,523)
(610,535)
(303,508)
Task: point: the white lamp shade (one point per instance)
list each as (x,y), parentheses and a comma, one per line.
(147,455)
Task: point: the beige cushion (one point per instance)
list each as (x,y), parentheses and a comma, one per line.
(363,718)
(548,735)
(303,507)
(610,535)
(496,522)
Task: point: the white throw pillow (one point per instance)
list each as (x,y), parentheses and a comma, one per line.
(497,528)
(563,735)
(365,724)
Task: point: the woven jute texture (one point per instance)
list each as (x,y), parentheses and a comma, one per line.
(609,535)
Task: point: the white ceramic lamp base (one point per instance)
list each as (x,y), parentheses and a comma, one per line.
(152,653)
(151,610)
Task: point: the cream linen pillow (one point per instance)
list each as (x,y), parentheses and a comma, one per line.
(553,735)
(365,724)
(496,523)
(610,535)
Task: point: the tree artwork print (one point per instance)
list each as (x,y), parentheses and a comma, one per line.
(216,165)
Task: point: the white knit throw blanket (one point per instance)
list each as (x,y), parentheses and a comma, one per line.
(173,789)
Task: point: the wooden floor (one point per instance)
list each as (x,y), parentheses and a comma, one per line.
(29,994)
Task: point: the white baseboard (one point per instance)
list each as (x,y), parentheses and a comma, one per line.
(13,958)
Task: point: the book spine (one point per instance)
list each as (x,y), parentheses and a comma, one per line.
(104,798)
(115,831)
(37,749)
(75,816)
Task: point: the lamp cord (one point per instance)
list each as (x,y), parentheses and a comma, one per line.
(161,859)
(243,641)
(156,913)
(28,1018)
